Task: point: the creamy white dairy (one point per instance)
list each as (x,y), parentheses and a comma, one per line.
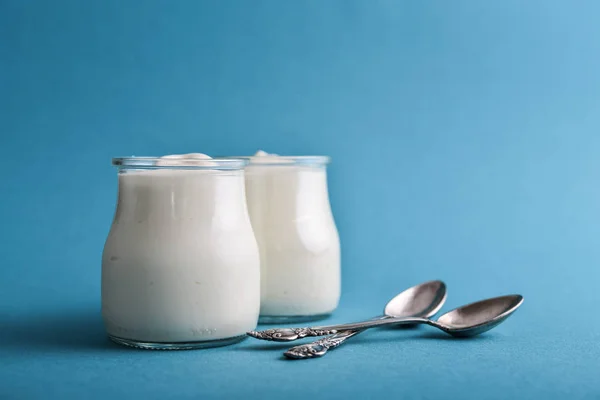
(299,245)
(181,263)
(190,159)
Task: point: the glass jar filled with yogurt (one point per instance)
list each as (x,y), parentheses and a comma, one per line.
(299,245)
(180,267)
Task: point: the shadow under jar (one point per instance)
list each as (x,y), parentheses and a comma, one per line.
(299,245)
(180,267)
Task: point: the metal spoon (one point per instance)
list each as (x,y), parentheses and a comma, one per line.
(423,300)
(469,320)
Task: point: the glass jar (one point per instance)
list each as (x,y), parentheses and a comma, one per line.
(180,267)
(289,207)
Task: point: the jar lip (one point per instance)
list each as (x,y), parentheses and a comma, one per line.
(284,160)
(217,163)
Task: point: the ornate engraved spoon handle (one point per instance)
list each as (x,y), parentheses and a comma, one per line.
(290,334)
(320,347)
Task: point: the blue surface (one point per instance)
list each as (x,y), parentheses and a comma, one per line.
(465,139)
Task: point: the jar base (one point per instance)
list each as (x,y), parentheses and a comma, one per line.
(179,345)
(290,319)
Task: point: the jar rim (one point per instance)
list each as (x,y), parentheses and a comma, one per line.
(265,161)
(217,163)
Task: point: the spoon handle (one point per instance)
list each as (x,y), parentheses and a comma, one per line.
(290,334)
(319,347)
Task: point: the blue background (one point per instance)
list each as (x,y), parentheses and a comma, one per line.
(465,138)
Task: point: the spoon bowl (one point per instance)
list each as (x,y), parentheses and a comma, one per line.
(476,318)
(423,300)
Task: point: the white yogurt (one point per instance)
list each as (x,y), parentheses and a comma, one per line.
(299,246)
(181,263)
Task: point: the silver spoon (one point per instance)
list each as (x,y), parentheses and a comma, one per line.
(469,320)
(423,300)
